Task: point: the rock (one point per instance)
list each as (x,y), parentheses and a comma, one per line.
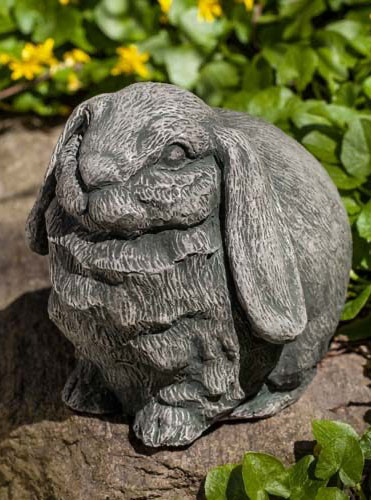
(25,153)
(48,452)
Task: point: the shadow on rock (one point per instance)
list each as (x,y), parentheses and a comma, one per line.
(35,362)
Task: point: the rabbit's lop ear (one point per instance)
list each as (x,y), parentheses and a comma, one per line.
(261,254)
(35,226)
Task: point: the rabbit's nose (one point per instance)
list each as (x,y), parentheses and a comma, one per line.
(115,208)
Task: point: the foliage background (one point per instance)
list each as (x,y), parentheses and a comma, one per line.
(303,65)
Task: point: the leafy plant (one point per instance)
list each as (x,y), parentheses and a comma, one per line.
(303,65)
(334,472)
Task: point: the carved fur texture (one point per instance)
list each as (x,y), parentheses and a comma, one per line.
(199,261)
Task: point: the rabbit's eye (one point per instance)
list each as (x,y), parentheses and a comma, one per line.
(174,156)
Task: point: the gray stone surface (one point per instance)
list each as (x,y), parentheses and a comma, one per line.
(199,261)
(47,451)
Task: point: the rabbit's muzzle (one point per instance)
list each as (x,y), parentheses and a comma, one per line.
(149,201)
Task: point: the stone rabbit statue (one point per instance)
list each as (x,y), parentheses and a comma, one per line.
(199,261)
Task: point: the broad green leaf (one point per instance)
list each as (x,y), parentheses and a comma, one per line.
(121,28)
(340,452)
(355,306)
(263,474)
(225,483)
(297,66)
(364,222)
(202,33)
(367,87)
(182,64)
(356,148)
(214,78)
(355,32)
(321,146)
(350,204)
(301,485)
(342,180)
(331,494)
(366,441)
(301,13)
(273,103)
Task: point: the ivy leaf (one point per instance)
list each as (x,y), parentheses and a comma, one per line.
(364,222)
(340,452)
(365,441)
(302,487)
(331,494)
(264,474)
(225,483)
(182,64)
(321,146)
(356,148)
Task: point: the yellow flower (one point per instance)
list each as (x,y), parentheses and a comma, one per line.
(165,5)
(208,10)
(64,2)
(249,4)
(73,82)
(41,53)
(5,59)
(27,69)
(75,56)
(131,61)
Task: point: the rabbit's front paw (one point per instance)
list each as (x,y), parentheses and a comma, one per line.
(161,425)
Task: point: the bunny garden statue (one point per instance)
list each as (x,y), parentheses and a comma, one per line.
(199,260)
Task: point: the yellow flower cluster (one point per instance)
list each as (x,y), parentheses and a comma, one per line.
(33,60)
(131,61)
(209,10)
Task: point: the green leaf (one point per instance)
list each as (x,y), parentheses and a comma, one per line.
(225,483)
(214,78)
(273,104)
(118,27)
(331,494)
(356,148)
(340,452)
(182,64)
(321,146)
(302,486)
(366,86)
(294,64)
(343,180)
(350,204)
(366,441)
(301,13)
(203,34)
(364,222)
(263,474)
(355,306)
